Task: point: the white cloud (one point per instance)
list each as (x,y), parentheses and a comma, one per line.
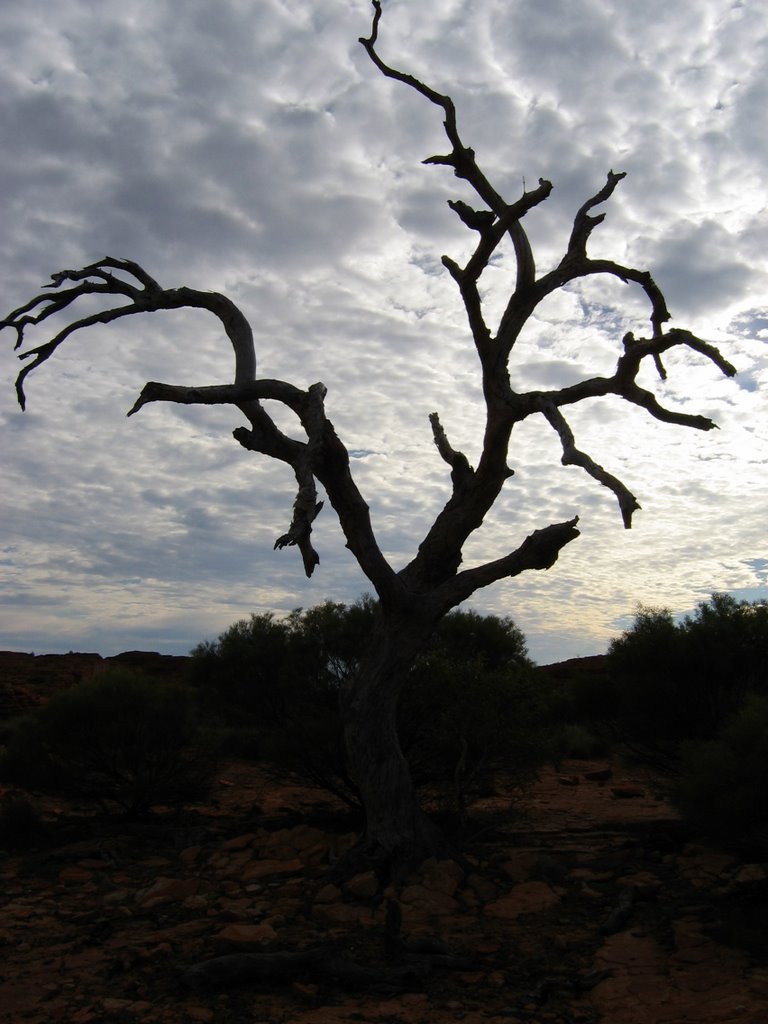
(252,148)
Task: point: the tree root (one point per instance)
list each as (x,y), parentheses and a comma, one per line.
(406,964)
(320,963)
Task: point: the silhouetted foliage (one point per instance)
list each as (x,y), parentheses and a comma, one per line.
(692,696)
(721,786)
(275,682)
(470,707)
(582,702)
(20,824)
(682,681)
(118,737)
(462,721)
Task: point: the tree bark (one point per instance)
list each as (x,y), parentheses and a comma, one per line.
(397,833)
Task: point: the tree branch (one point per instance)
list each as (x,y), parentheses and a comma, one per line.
(583,224)
(322,456)
(624,384)
(573,457)
(462,473)
(540,550)
(223,394)
(145,296)
(461,158)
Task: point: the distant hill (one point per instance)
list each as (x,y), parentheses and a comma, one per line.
(594,665)
(27,680)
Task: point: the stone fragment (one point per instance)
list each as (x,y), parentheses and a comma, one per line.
(240,842)
(428,901)
(167,890)
(442,876)
(328,894)
(599,775)
(521,865)
(75,876)
(246,934)
(525,898)
(265,868)
(200,1013)
(342,913)
(627,792)
(363,886)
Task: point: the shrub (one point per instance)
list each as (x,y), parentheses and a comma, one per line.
(462,721)
(581,742)
(470,707)
(20,824)
(246,671)
(119,736)
(680,682)
(721,787)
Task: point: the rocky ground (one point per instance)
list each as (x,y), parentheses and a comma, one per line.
(588,903)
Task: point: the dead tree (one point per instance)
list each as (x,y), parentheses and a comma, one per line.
(412,600)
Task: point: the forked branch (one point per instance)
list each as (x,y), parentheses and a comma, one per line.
(504,406)
(310,459)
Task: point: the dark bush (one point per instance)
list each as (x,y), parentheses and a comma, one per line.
(721,787)
(693,697)
(119,737)
(581,701)
(469,709)
(679,682)
(582,742)
(248,671)
(461,722)
(20,824)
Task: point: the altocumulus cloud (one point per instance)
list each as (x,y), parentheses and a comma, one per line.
(251,148)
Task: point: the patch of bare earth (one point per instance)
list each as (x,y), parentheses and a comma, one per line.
(584,903)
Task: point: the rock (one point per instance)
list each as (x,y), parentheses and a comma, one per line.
(621,914)
(362,886)
(240,842)
(441,876)
(525,898)
(75,876)
(599,775)
(111,1005)
(485,889)
(521,865)
(342,914)
(568,780)
(627,792)
(200,1013)
(328,894)
(167,890)
(265,868)
(246,934)
(428,901)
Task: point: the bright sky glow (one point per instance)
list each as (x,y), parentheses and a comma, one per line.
(250,147)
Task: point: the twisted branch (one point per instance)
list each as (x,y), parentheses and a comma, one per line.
(145,294)
(462,473)
(572,456)
(540,550)
(323,458)
(461,158)
(475,491)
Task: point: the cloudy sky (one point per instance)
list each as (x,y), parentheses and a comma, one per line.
(249,146)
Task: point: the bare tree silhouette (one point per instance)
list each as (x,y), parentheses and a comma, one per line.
(412,600)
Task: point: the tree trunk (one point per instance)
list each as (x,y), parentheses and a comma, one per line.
(397,833)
